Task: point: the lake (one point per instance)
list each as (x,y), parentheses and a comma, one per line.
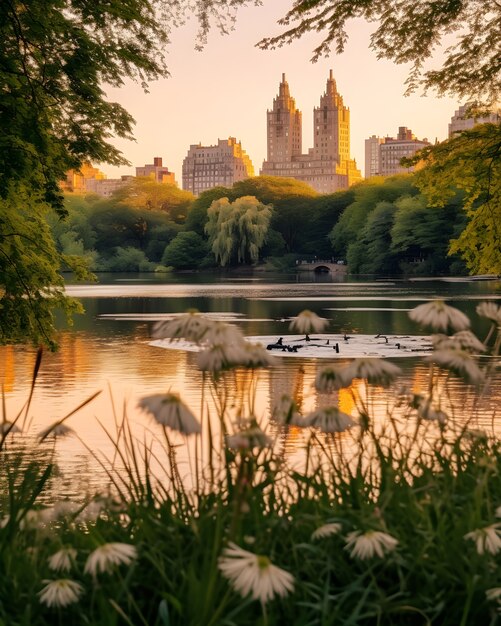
(108,349)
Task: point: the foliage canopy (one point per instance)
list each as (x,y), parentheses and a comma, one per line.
(470,162)
(468,32)
(146,193)
(55,58)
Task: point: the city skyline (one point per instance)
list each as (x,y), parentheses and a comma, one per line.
(226,89)
(327,165)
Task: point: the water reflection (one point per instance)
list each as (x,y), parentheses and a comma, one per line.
(108,349)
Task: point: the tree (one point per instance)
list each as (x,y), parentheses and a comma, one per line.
(117,225)
(274,244)
(470,162)
(31,286)
(323,214)
(237,230)
(197,214)
(367,196)
(370,253)
(291,200)
(146,193)
(55,58)
(410,32)
(53,116)
(420,235)
(128,259)
(186,251)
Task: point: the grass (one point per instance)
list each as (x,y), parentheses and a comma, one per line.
(427,483)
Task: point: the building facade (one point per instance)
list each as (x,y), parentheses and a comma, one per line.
(106,187)
(462,120)
(205,167)
(157,171)
(327,167)
(392,150)
(382,156)
(76,180)
(372,156)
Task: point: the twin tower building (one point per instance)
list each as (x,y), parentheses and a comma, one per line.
(327,167)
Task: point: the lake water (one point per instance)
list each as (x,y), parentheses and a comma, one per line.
(108,349)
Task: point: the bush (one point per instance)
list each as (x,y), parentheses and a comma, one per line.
(127,260)
(185,251)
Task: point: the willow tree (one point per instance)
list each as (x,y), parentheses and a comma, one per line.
(237,230)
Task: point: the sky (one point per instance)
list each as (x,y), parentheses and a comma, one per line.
(226,89)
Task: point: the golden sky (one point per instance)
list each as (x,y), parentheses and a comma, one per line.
(225,91)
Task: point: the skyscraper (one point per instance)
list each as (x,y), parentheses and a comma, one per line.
(205,167)
(327,167)
(284,126)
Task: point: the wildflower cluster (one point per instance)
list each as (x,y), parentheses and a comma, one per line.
(62,592)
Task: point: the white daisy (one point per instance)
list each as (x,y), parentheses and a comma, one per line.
(169,410)
(371,543)
(248,439)
(439,316)
(331,379)
(253,574)
(35,518)
(256,355)
(329,420)
(490,310)
(285,411)
(191,326)
(60,593)
(374,371)
(487,539)
(460,363)
(327,530)
(222,357)
(31,520)
(109,555)
(463,340)
(57,429)
(308,322)
(62,560)
(494,594)
(224,334)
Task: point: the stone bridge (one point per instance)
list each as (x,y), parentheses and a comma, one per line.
(321,266)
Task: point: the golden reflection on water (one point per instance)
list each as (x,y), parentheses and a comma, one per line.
(8,376)
(126,369)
